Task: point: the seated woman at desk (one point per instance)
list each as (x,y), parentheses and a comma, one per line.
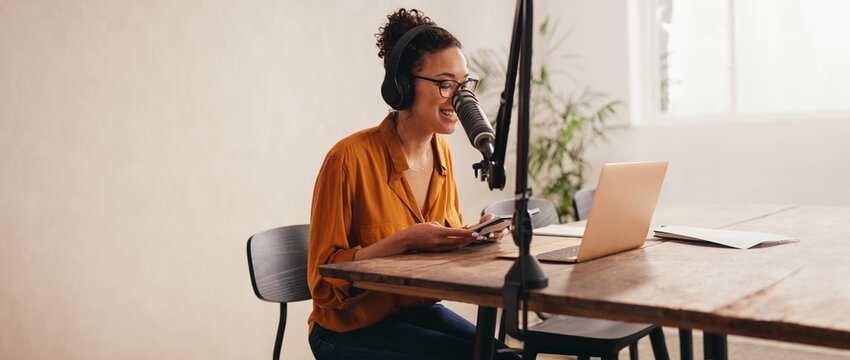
(388,190)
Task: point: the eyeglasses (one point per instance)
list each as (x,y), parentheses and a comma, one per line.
(448,87)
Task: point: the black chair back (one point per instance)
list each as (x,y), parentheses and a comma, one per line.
(548,215)
(277,261)
(582,201)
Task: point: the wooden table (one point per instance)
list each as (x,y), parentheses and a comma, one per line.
(797,292)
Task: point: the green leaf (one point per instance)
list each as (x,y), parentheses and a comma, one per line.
(544,26)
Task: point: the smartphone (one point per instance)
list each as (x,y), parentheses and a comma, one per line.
(492,225)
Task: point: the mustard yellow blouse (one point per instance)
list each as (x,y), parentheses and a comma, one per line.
(360,198)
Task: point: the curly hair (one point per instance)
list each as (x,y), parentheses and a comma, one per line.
(429,41)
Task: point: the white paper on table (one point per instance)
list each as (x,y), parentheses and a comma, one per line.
(731,238)
(560,230)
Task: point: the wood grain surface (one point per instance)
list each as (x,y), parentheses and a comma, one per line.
(792,291)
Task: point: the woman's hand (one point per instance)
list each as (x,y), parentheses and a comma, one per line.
(494,236)
(432,236)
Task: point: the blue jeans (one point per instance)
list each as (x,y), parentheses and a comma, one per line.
(427,332)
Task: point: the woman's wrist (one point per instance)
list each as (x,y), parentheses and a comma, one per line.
(402,241)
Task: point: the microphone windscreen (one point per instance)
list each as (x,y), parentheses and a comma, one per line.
(472,117)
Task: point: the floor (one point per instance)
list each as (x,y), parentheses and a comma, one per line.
(739,348)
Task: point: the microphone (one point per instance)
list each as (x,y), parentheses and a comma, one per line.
(475,123)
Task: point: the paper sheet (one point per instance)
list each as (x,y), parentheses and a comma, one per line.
(567,230)
(731,238)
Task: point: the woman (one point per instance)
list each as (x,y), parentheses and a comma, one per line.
(391,189)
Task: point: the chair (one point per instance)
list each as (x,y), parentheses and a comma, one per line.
(548,215)
(582,200)
(277,261)
(573,335)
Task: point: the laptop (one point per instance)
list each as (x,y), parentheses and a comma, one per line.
(619,218)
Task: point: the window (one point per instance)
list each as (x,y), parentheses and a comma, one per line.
(739,59)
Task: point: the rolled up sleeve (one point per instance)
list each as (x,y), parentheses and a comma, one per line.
(330,225)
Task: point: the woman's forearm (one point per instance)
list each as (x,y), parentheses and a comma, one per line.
(393,244)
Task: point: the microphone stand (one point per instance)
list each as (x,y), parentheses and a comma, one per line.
(526,273)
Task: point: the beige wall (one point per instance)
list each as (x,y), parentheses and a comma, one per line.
(141,143)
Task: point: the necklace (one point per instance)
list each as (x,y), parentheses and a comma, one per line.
(423,166)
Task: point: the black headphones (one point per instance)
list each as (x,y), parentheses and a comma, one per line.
(397,89)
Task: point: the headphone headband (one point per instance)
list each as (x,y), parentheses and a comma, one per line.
(400,45)
(397,89)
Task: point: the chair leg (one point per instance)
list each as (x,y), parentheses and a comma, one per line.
(686,344)
(502,328)
(714,346)
(659,346)
(280,326)
(612,356)
(633,351)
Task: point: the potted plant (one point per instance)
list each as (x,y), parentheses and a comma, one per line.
(563,126)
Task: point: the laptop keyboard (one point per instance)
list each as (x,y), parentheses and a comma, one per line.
(562,253)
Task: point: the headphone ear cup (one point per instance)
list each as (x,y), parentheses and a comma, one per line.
(406,90)
(397,89)
(390,93)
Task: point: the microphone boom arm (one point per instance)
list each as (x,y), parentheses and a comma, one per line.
(526,273)
(493,168)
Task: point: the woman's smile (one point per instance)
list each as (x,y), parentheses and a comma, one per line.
(448,114)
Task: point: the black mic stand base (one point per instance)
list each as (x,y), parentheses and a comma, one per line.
(527,268)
